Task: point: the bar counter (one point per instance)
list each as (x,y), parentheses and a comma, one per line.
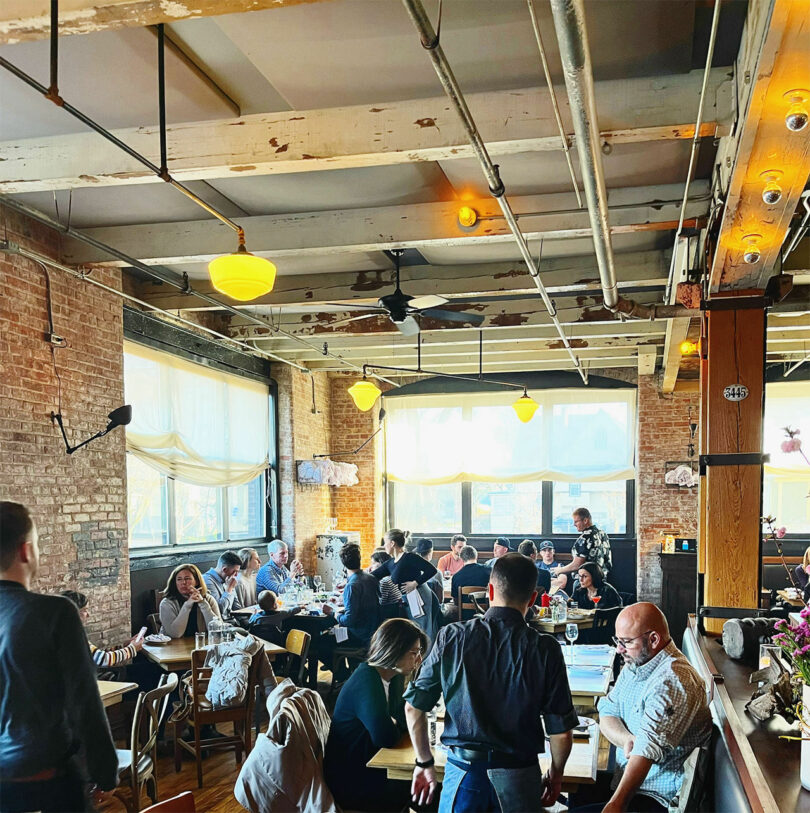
(754,769)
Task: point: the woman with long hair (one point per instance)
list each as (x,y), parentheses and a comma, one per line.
(592,583)
(407,570)
(246,586)
(369,715)
(186,591)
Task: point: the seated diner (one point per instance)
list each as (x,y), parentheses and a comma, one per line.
(186,607)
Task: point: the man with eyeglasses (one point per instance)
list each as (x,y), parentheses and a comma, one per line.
(656,714)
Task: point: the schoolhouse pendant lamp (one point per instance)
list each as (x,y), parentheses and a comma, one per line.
(242,275)
(525,407)
(364,394)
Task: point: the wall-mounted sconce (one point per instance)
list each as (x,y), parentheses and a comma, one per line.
(796,117)
(752,252)
(771,192)
(118,417)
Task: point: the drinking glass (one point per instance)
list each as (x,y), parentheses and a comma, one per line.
(318,582)
(572,633)
(596,600)
(199,640)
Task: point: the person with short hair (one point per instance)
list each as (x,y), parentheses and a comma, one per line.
(592,583)
(545,561)
(361,599)
(592,545)
(266,621)
(369,715)
(186,594)
(471,575)
(505,686)
(54,736)
(221,582)
(424,548)
(246,593)
(655,715)
(500,547)
(105,658)
(406,569)
(526,548)
(451,562)
(274,575)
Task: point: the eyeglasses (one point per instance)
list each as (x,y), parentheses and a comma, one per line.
(624,642)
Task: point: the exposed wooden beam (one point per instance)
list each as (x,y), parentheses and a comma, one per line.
(677,329)
(560,275)
(774,59)
(514,121)
(553,217)
(647,356)
(506,365)
(24,20)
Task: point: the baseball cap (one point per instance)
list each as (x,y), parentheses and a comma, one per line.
(546,545)
(510,544)
(423,546)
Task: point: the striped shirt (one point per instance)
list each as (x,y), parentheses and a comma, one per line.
(106,658)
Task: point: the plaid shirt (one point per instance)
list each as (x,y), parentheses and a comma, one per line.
(663,705)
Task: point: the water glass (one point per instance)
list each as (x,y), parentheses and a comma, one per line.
(199,640)
(318,582)
(227,636)
(572,633)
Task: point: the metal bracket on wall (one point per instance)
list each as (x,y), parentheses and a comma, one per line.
(732,459)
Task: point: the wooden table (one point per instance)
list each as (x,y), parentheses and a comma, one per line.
(793,602)
(584,622)
(176,655)
(112,691)
(587,756)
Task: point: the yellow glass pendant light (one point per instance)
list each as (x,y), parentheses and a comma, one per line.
(364,394)
(525,407)
(242,275)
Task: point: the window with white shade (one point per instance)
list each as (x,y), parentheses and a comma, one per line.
(198,451)
(786,480)
(465,463)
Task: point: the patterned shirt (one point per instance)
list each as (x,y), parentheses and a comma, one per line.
(594,545)
(273,577)
(663,705)
(105,658)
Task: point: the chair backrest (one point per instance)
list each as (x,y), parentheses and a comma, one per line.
(159,596)
(297,644)
(604,625)
(183,803)
(471,599)
(201,676)
(153,623)
(149,707)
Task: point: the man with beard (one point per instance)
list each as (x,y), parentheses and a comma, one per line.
(656,713)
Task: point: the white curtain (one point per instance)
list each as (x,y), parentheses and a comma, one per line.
(575,436)
(196,424)
(787,404)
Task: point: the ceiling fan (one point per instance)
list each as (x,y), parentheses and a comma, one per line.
(402,308)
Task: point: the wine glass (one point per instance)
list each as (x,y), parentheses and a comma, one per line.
(572,633)
(596,600)
(317,580)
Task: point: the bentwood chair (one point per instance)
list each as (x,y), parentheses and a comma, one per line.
(203,713)
(136,765)
(471,601)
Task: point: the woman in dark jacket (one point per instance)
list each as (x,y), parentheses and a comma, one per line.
(369,715)
(592,583)
(407,570)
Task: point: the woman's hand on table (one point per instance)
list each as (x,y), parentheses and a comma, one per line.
(408,587)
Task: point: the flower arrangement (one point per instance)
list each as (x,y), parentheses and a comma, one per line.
(794,640)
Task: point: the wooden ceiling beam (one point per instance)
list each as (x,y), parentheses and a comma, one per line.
(560,275)
(504,365)
(516,121)
(26,20)
(551,217)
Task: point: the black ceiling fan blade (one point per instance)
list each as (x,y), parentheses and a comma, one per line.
(452,316)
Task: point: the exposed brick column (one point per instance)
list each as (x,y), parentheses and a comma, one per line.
(78,501)
(663,434)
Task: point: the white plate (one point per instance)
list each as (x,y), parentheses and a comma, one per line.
(157,639)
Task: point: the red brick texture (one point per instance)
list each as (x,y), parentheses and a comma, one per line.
(78,501)
(663,434)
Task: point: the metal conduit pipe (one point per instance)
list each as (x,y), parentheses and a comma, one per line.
(164,275)
(430,42)
(12,248)
(572,36)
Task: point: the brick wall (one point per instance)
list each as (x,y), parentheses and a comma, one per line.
(78,501)
(663,434)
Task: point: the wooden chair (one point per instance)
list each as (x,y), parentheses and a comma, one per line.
(468,599)
(297,644)
(604,626)
(352,654)
(202,714)
(183,803)
(153,623)
(136,766)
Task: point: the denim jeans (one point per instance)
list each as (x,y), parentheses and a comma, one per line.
(470,787)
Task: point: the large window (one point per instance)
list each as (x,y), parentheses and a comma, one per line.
(786,483)
(464,463)
(198,451)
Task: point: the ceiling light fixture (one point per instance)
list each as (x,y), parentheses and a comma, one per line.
(771,192)
(242,275)
(752,252)
(796,117)
(364,393)
(525,407)
(467,217)
(688,348)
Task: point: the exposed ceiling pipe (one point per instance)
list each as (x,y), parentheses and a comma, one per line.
(563,137)
(430,42)
(163,274)
(572,36)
